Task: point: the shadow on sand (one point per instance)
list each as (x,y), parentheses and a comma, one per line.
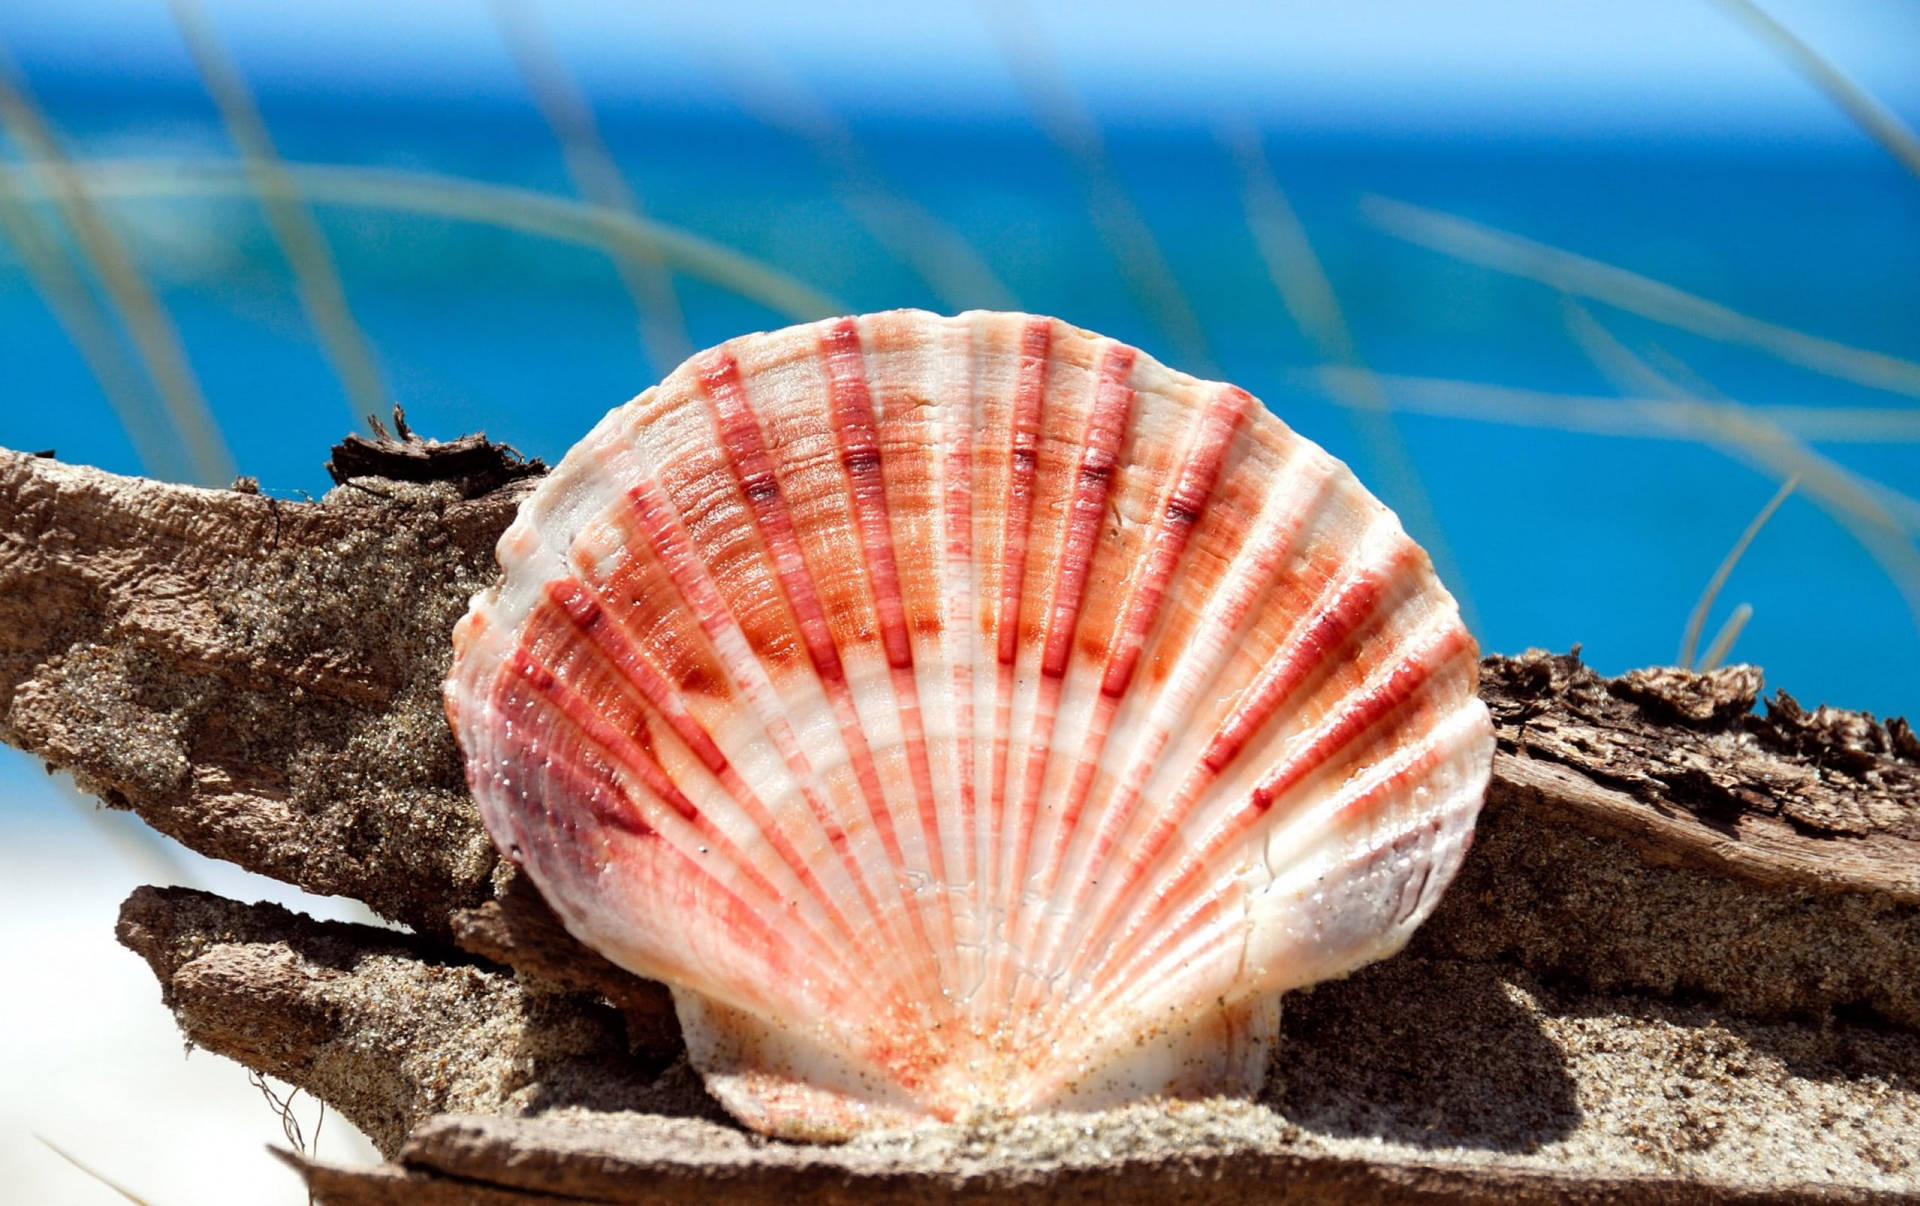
(1421,1051)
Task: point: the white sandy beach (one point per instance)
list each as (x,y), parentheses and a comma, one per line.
(91,1060)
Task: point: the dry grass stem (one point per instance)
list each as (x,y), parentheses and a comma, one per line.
(643,270)
(1875,515)
(1579,276)
(1123,228)
(529,211)
(154,336)
(1308,295)
(771,92)
(95,1173)
(91,332)
(1641,417)
(1724,639)
(316,279)
(1880,122)
(1697,618)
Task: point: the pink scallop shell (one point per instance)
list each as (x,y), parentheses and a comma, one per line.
(968,714)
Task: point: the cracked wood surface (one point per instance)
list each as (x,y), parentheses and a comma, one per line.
(388,1028)
(648,1159)
(257,678)
(1649,832)
(260,679)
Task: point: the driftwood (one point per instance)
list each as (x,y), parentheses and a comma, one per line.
(1682,962)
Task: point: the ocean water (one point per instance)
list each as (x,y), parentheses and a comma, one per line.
(1557,537)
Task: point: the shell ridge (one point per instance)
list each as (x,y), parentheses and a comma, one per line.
(1067,403)
(985,419)
(1341,613)
(950,391)
(579,783)
(607,632)
(1176,806)
(492,773)
(1183,804)
(1106,426)
(753,469)
(1382,695)
(989,412)
(1276,534)
(1187,940)
(584,608)
(660,527)
(1176,514)
(1190,942)
(1379,698)
(671,810)
(1023,436)
(856,433)
(906,367)
(1349,806)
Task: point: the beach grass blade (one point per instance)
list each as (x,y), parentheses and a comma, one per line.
(1697,618)
(528,211)
(155,338)
(1592,280)
(1308,294)
(598,178)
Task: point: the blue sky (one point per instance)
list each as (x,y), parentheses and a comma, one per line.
(1606,66)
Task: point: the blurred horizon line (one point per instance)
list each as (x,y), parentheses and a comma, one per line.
(1384,67)
(66,91)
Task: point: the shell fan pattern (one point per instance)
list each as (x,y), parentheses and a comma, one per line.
(968,715)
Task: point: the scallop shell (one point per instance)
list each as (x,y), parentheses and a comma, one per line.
(967,715)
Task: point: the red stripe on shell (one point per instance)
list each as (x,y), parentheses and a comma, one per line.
(856,429)
(752,466)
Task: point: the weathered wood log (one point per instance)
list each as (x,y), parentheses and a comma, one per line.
(257,678)
(1681,963)
(1650,832)
(472,464)
(1126,1158)
(518,929)
(1415,1080)
(391,1029)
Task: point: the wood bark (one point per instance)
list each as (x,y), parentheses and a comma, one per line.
(1682,962)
